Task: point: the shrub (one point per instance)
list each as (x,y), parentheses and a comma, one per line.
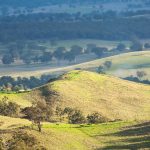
(23,141)
(1,144)
(8,108)
(96,118)
(107,64)
(77,117)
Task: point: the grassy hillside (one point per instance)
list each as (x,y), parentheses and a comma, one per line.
(90,92)
(117,135)
(21,99)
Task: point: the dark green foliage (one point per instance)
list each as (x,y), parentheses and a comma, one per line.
(147,45)
(101,69)
(8,108)
(59,53)
(99,51)
(76,117)
(43,27)
(121,47)
(7,59)
(96,118)
(136,45)
(23,83)
(107,64)
(46,57)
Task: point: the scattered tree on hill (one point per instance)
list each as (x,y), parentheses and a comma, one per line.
(40,111)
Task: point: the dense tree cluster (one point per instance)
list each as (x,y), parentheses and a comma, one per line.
(120,28)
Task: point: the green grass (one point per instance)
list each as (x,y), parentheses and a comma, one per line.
(115,135)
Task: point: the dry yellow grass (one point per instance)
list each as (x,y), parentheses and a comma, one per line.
(113,97)
(21,99)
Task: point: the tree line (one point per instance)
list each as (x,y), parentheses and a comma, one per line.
(107,29)
(8,83)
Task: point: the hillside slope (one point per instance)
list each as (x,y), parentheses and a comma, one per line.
(115,135)
(90,92)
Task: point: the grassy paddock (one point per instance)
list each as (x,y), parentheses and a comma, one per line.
(115,135)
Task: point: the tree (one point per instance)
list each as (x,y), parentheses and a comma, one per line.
(107,64)
(59,113)
(59,53)
(8,108)
(96,118)
(90,47)
(136,45)
(46,57)
(121,47)
(99,51)
(38,112)
(7,59)
(101,69)
(76,117)
(147,45)
(68,56)
(140,74)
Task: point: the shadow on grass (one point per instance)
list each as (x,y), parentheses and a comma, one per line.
(133,138)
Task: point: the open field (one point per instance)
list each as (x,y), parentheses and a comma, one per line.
(117,135)
(123,65)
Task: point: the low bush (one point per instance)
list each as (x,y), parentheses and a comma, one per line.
(96,118)
(8,108)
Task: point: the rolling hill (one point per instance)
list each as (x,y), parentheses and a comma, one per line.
(91,92)
(114,98)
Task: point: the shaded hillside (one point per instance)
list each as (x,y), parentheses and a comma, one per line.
(90,92)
